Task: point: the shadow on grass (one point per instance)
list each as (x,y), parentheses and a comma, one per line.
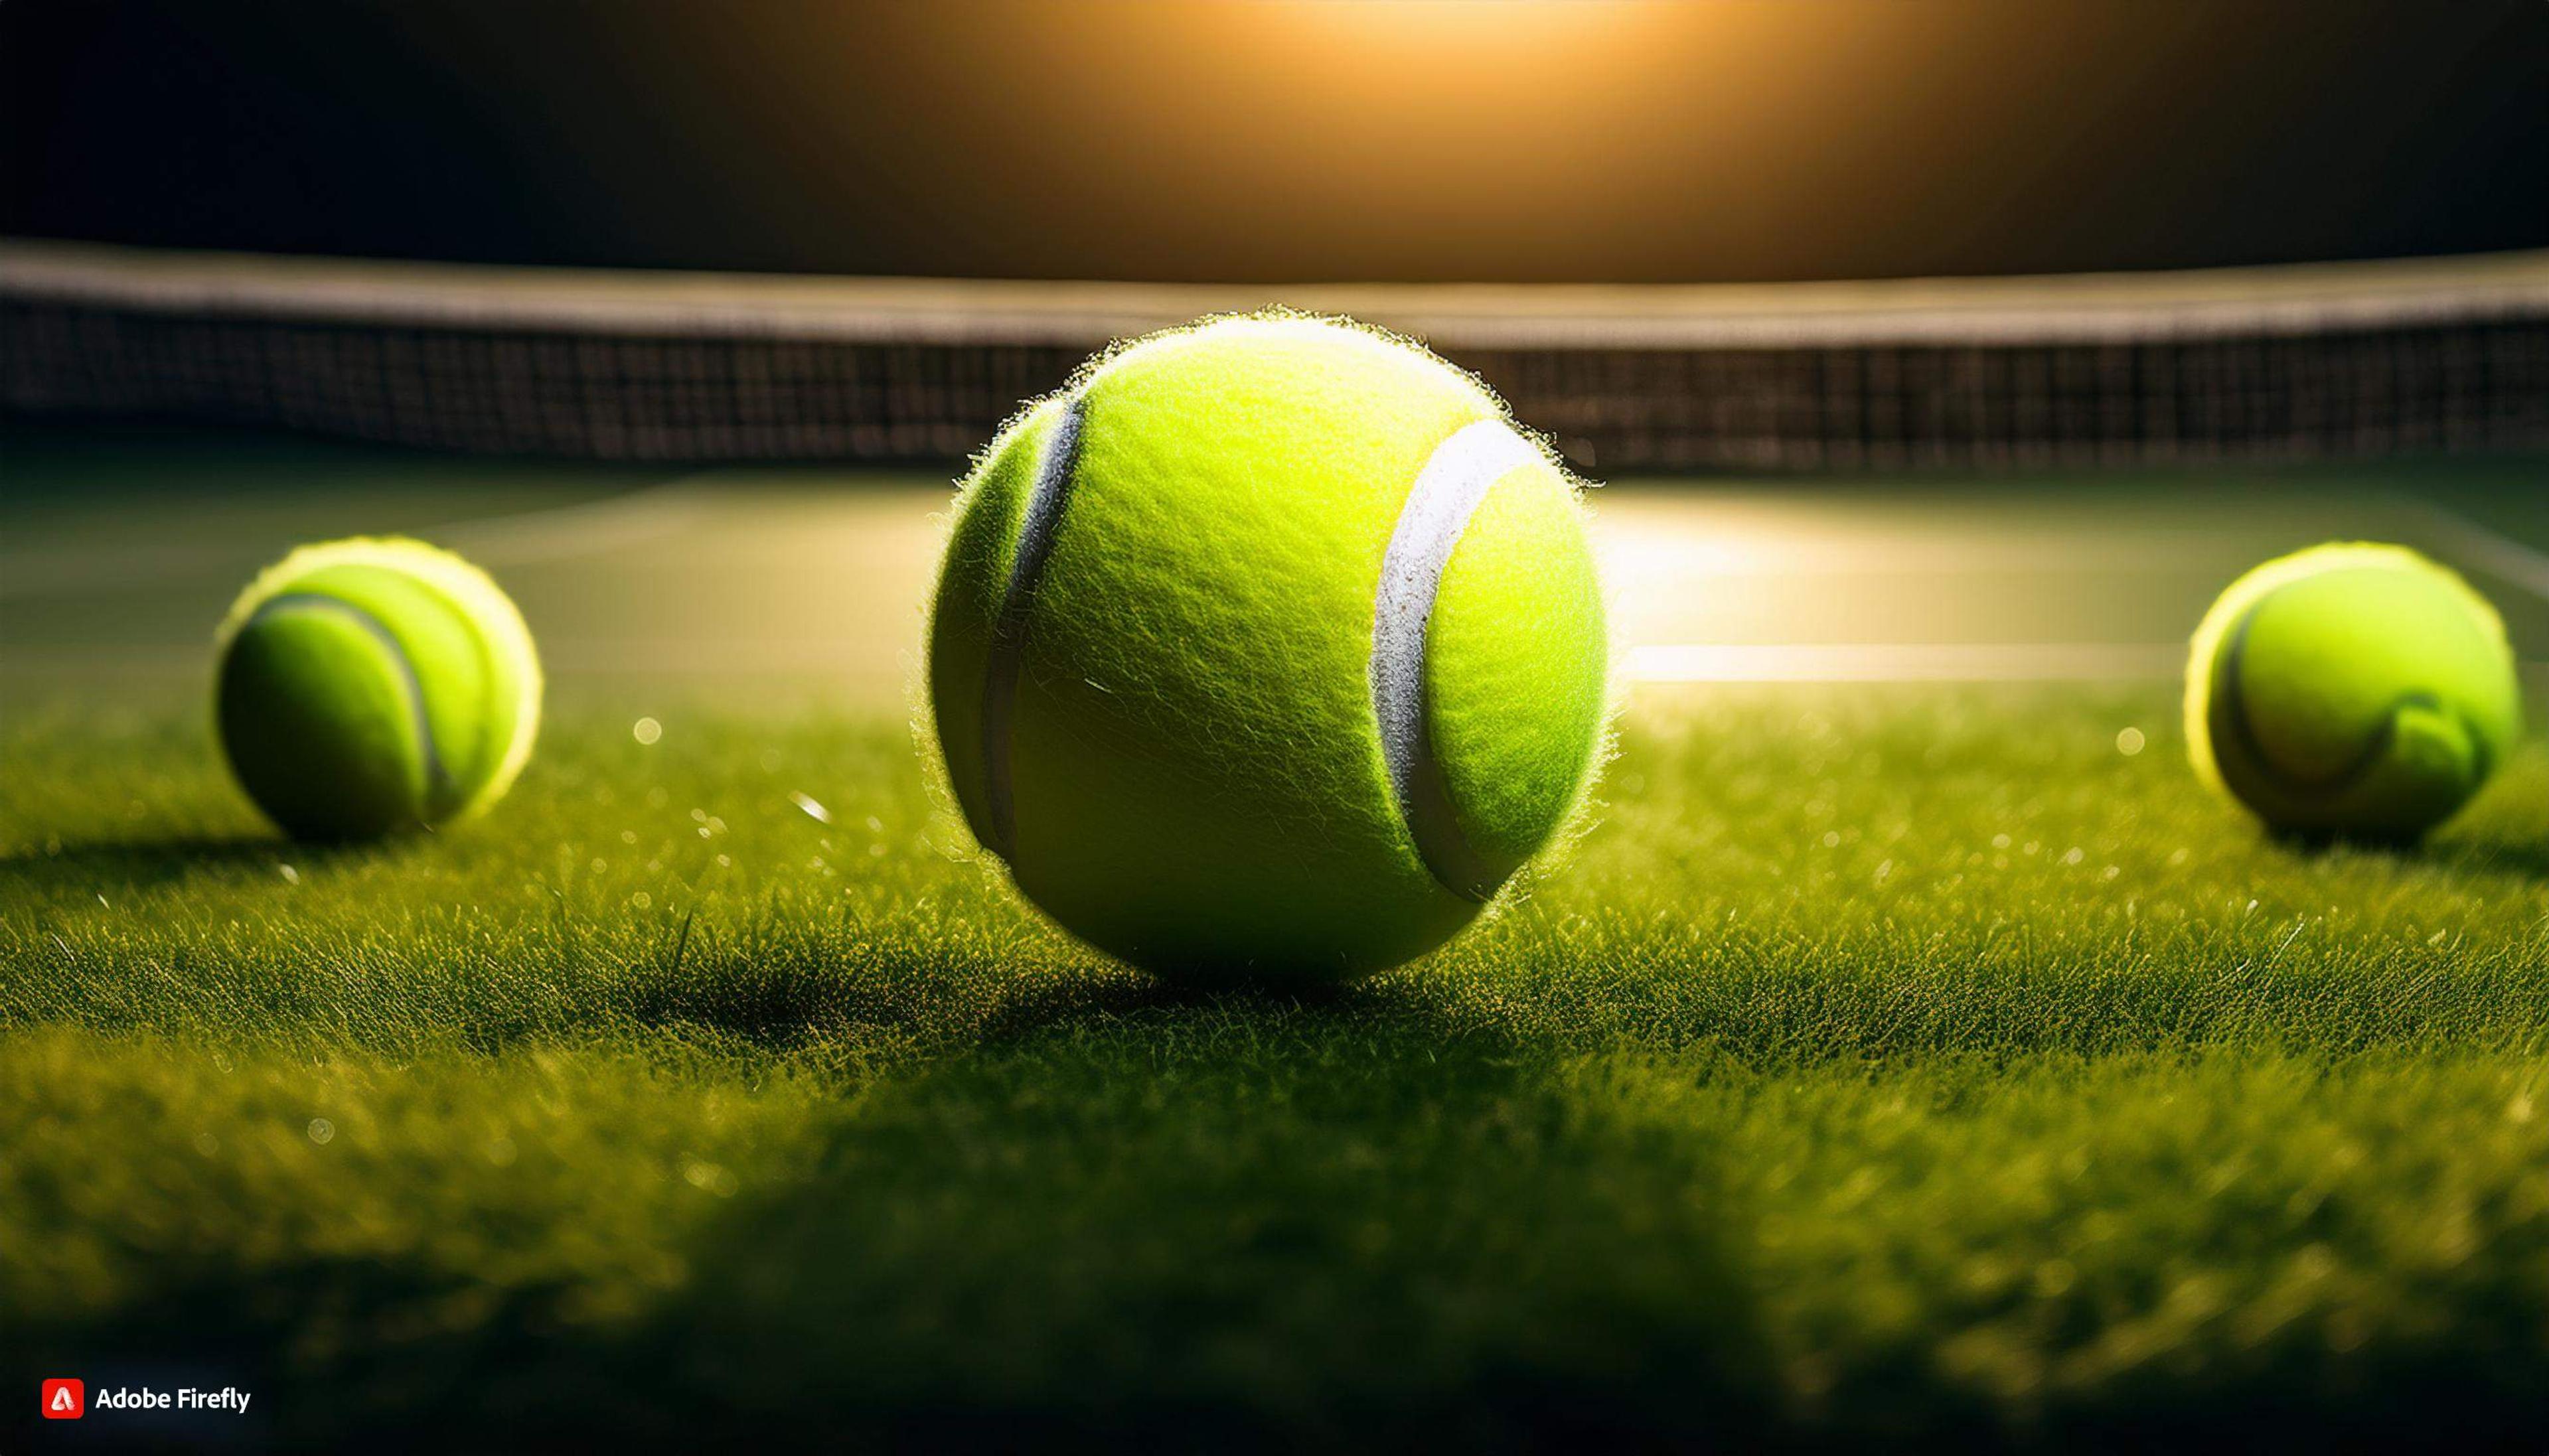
(1262,1228)
(782,987)
(1256,1225)
(2520,858)
(82,869)
(1762,1004)
(2483,850)
(1229,1223)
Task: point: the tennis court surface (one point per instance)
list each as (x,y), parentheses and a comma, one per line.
(1910,1049)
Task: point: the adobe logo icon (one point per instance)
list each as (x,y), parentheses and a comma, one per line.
(65,1399)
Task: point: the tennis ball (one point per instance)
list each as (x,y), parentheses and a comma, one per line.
(2351,689)
(372,684)
(1269,649)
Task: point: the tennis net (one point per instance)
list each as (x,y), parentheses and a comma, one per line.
(2333,360)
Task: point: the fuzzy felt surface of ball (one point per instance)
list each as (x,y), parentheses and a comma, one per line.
(373,684)
(2352,689)
(1269,649)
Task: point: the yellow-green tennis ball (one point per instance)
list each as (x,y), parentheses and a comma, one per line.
(374,684)
(2351,689)
(1269,649)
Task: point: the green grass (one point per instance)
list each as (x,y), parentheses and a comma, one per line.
(1887,1062)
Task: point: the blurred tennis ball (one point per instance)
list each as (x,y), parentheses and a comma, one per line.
(2351,689)
(372,684)
(1269,649)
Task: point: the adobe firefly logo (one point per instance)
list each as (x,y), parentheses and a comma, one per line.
(64,1399)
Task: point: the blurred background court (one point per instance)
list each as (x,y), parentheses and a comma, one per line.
(717,474)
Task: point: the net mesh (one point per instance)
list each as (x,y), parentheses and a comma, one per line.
(2447,355)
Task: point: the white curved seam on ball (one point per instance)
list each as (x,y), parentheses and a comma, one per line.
(1447,492)
(434,772)
(1046,497)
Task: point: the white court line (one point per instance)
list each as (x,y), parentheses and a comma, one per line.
(2448,532)
(1885,662)
(2482,547)
(585,528)
(1905,661)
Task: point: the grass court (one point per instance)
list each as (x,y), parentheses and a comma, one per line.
(1911,1048)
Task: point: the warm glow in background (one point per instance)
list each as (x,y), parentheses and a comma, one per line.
(1290,139)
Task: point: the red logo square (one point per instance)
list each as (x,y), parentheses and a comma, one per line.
(64,1399)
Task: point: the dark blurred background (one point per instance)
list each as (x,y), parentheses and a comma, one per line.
(1259,141)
